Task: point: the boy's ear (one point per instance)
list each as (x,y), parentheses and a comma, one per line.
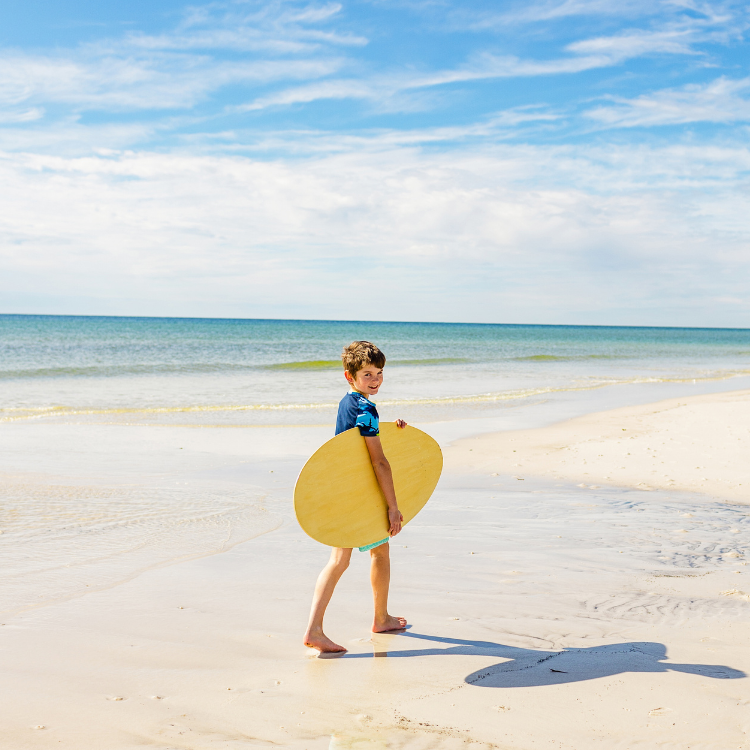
(348,376)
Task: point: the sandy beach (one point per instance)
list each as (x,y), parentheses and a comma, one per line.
(553,601)
(697,444)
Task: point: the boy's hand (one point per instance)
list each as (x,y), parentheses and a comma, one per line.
(395,519)
(400,423)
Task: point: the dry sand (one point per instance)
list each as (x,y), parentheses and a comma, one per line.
(697,444)
(544,614)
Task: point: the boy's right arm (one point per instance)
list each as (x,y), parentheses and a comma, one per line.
(385,479)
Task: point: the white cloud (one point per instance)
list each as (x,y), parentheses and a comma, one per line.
(21,115)
(384,89)
(557,10)
(279,26)
(180,68)
(331,89)
(289,43)
(494,233)
(538,12)
(155,82)
(719,101)
(588,54)
(635,43)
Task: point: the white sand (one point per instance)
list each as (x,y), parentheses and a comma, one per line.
(545,615)
(697,444)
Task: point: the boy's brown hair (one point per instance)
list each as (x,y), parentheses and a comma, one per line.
(359,354)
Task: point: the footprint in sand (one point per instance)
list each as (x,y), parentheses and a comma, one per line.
(659,711)
(115,698)
(348,742)
(737,593)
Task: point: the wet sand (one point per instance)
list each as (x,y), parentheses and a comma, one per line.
(544,614)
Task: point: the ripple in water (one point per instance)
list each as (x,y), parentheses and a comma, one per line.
(58,542)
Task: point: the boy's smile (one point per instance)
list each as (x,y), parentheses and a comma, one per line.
(367,381)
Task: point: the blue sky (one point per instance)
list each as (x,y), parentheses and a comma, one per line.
(563,161)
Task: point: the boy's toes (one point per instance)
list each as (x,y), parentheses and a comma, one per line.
(389,624)
(323,644)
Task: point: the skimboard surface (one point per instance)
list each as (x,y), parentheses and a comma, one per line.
(337,497)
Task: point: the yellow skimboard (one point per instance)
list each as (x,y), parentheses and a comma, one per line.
(337,497)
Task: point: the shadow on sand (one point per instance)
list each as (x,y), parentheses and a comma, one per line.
(525,667)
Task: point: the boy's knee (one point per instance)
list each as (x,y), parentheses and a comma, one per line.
(341,561)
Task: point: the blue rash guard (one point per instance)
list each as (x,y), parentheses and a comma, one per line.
(356,410)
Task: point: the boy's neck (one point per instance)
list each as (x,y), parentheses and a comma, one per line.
(354,390)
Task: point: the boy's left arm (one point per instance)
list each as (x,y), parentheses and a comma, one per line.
(385,480)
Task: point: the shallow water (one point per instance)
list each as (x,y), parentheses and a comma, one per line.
(64,540)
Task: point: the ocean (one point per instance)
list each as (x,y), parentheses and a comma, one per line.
(264,372)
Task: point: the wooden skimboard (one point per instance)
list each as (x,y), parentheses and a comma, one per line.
(337,497)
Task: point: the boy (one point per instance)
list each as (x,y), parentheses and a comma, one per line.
(363,370)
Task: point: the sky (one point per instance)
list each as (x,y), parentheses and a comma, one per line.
(539,161)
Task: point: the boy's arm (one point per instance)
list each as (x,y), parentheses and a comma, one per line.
(385,479)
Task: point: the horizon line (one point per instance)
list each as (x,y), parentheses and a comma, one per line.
(371,322)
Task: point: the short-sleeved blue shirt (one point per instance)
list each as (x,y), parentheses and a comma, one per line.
(356,410)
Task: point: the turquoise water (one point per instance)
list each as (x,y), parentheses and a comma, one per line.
(277,371)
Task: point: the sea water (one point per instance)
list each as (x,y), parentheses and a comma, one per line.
(207,371)
(129,443)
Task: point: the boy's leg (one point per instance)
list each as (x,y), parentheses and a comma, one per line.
(327,580)
(380,577)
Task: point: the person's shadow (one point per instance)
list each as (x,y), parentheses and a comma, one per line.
(525,667)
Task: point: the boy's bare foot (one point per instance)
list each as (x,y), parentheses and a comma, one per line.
(323,643)
(389,624)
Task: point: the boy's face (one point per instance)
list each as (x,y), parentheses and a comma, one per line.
(367,380)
